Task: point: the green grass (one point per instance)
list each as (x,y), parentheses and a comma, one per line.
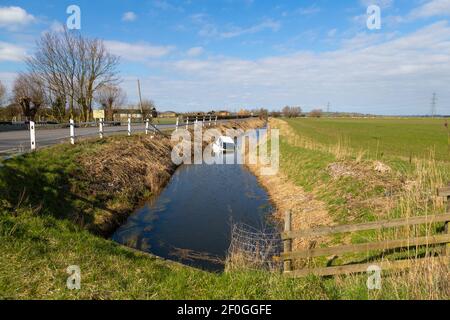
(37,249)
(43,231)
(380,137)
(38,243)
(360,198)
(165,121)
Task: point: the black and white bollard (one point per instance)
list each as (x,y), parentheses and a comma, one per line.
(72,131)
(187,123)
(129,125)
(100,128)
(32,135)
(146,126)
(176,125)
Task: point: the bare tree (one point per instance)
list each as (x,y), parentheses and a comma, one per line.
(148,109)
(292,112)
(10,112)
(110,97)
(73,68)
(28,92)
(316,113)
(97,68)
(2,93)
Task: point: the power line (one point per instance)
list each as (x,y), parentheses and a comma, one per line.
(433,104)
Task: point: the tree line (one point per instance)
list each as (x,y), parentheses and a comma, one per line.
(64,77)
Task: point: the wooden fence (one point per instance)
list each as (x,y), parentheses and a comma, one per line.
(288,236)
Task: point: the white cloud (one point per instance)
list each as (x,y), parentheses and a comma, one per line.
(383,4)
(431,8)
(238,31)
(308,10)
(7,78)
(11,52)
(195,51)
(140,51)
(129,16)
(379,75)
(208,29)
(14,17)
(57,26)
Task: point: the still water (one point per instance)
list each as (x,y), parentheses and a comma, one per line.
(190,220)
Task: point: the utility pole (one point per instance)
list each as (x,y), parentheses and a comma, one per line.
(433,104)
(140,97)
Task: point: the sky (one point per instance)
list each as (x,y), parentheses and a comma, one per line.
(232,54)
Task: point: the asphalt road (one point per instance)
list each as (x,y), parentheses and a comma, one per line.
(17,141)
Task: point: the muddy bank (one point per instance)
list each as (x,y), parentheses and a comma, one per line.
(125,171)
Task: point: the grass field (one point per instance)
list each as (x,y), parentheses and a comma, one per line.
(400,137)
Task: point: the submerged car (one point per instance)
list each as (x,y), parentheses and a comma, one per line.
(224,143)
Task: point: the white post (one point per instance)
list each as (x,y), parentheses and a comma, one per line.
(176,126)
(100,128)
(146,126)
(72,132)
(32,135)
(187,123)
(209,124)
(203,122)
(129,125)
(215,121)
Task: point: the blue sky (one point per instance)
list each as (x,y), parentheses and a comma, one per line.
(204,54)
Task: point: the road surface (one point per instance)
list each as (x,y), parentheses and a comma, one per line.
(18,141)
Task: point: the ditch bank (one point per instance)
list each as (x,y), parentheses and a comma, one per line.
(96,184)
(124,175)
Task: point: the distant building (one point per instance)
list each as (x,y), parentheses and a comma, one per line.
(168,114)
(244,113)
(223,113)
(122,114)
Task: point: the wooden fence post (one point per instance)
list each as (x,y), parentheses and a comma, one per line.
(445,192)
(288,242)
(447,228)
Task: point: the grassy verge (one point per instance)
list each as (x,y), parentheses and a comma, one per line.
(358,186)
(53,206)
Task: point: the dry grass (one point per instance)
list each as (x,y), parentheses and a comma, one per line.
(406,194)
(122,172)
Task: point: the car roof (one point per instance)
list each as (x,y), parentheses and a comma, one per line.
(226,139)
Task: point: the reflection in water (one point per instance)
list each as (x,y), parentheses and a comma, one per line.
(190,221)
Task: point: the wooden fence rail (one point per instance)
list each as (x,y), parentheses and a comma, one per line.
(288,236)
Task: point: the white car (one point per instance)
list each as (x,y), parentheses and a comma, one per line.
(224,143)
